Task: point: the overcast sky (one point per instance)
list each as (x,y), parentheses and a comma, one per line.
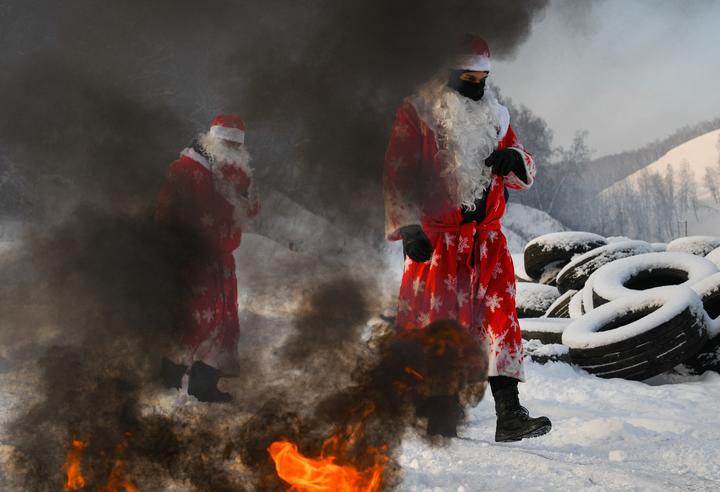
(628,71)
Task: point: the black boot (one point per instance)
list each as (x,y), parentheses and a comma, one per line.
(443,414)
(513,420)
(171,374)
(203,384)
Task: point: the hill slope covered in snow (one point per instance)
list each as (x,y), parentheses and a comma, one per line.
(688,177)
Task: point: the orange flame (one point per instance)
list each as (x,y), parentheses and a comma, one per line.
(117,481)
(75,479)
(321,474)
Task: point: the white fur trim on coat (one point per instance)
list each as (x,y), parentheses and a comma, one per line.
(233,134)
(477,63)
(196,156)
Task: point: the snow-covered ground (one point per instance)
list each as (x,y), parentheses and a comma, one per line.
(607,435)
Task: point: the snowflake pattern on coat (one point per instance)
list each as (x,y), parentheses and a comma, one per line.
(470,276)
(189,199)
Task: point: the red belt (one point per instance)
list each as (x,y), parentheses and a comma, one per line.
(466,235)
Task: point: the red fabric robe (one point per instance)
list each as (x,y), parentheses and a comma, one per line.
(470,277)
(190,199)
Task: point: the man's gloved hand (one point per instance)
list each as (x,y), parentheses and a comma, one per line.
(506,160)
(416,244)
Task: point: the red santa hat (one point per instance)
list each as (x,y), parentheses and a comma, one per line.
(228,127)
(474,55)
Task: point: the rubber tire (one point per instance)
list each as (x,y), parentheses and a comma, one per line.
(537,255)
(708,358)
(646,279)
(647,354)
(575,276)
(561,307)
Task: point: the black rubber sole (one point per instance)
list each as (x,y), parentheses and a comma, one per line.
(540,431)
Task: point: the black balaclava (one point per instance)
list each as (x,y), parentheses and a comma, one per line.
(471,90)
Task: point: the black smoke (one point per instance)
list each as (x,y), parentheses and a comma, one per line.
(97,99)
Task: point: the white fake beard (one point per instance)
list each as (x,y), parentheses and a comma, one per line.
(224,155)
(472,132)
(221,155)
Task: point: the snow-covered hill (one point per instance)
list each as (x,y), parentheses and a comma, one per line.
(699,156)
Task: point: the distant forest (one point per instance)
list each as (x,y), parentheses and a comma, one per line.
(571,181)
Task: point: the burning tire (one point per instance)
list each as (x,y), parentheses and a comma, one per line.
(695,245)
(561,307)
(627,276)
(640,336)
(532,300)
(557,247)
(547,330)
(574,275)
(708,359)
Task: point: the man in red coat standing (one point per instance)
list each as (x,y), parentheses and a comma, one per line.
(451,156)
(210,193)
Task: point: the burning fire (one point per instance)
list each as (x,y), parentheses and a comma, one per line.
(321,474)
(74,480)
(117,482)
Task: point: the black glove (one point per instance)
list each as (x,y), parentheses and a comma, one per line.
(506,160)
(416,244)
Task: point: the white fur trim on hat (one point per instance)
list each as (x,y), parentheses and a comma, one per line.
(233,134)
(477,63)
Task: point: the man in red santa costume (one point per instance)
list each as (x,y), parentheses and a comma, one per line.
(451,156)
(209,194)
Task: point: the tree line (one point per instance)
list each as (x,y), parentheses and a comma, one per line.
(590,194)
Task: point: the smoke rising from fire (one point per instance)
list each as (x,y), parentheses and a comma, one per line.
(97,99)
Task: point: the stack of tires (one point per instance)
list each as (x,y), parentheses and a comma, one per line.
(622,308)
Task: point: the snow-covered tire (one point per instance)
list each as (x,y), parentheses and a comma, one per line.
(714,256)
(639,336)
(533,300)
(575,307)
(708,359)
(519,267)
(561,307)
(659,247)
(547,330)
(543,353)
(550,273)
(695,245)
(627,276)
(575,274)
(557,247)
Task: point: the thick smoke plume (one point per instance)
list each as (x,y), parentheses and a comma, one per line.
(97,99)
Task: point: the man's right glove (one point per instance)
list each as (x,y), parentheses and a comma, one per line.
(416,244)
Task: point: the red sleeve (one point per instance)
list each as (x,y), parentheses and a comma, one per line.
(400,172)
(512,181)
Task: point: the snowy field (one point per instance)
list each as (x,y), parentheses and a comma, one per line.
(607,435)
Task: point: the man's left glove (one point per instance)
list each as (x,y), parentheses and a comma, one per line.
(506,160)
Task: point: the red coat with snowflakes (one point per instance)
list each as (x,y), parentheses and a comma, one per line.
(190,199)
(470,277)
